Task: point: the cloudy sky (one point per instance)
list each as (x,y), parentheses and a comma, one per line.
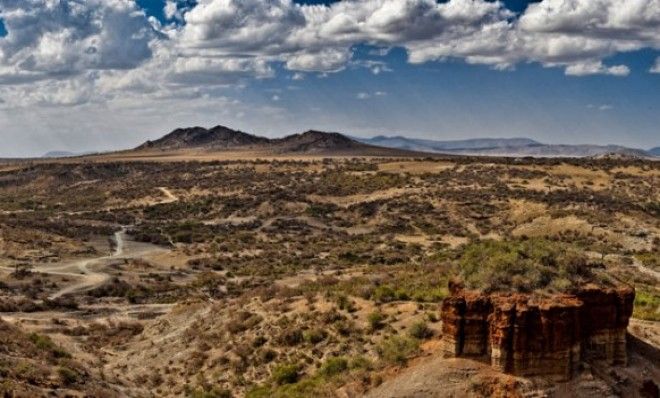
(85,75)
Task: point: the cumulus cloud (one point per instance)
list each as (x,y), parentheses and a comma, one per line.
(107,48)
(575,34)
(51,39)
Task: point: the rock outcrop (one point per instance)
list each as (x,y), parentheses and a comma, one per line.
(528,336)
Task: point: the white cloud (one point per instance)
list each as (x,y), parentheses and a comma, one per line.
(602,107)
(171,9)
(54,39)
(376,67)
(327,60)
(364,95)
(656,67)
(95,50)
(575,34)
(596,67)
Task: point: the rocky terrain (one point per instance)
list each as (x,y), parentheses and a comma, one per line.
(216,273)
(531,336)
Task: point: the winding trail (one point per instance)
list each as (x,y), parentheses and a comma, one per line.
(169,196)
(89,278)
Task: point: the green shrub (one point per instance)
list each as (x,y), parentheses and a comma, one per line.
(376,320)
(647,305)
(315,336)
(44,343)
(67,375)
(286,374)
(384,294)
(360,362)
(650,259)
(523,265)
(397,349)
(333,367)
(419,330)
(345,303)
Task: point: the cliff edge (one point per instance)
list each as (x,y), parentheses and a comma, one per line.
(525,335)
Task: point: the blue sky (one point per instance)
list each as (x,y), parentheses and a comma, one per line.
(373,91)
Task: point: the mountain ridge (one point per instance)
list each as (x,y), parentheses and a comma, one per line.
(514,147)
(320,142)
(224,138)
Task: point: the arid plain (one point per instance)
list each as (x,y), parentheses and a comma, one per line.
(230,274)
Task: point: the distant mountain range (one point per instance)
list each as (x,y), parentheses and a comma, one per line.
(224,138)
(64,154)
(58,154)
(503,147)
(317,142)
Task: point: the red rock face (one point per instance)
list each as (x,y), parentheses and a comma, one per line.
(529,336)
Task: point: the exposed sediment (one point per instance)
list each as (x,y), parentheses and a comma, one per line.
(528,336)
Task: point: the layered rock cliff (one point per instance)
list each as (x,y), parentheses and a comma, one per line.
(527,335)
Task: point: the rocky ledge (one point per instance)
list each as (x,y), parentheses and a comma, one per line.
(526,335)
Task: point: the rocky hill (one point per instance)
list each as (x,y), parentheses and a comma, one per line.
(316,141)
(194,137)
(309,142)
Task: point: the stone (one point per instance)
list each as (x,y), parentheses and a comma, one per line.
(527,335)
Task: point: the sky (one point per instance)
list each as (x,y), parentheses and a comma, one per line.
(96,75)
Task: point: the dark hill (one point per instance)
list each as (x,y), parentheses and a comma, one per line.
(316,141)
(218,137)
(309,142)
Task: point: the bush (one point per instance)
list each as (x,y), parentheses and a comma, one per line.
(286,374)
(419,330)
(375,320)
(647,306)
(315,336)
(68,376)
(46,344)
(290,337)
(523,265)
(333,367)
(360,362)
(397,349)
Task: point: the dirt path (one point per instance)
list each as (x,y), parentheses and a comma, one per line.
(90,279)
(84,270)
(169,196)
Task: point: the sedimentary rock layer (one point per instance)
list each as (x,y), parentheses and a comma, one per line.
(527,335)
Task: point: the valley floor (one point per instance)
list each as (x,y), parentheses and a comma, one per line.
(306,277)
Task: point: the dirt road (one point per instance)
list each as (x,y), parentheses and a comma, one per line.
(89,272)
